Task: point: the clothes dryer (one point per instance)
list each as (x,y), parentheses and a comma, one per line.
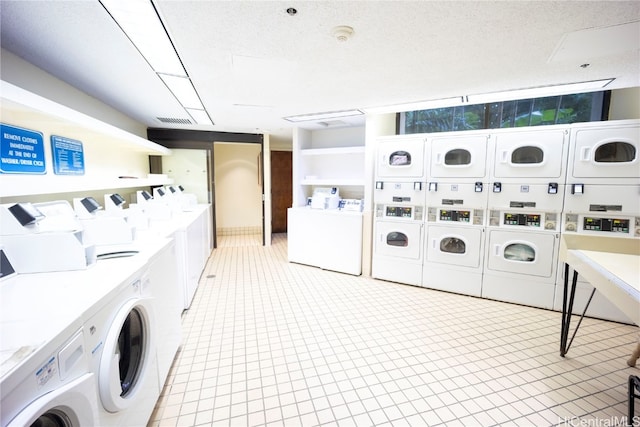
(121,337)
(602,201)
(397,246)
(454,244)
(522,242)
(398,231)
(529,155)
(401,157)
(458,156)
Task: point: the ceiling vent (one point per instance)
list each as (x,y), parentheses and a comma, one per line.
(175,121)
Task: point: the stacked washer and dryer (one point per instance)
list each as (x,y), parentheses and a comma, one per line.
(399,198)
(490,208)
(456,205)
(602,200)
(525,206)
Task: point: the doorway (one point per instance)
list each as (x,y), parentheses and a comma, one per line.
(281,189)
(238,193)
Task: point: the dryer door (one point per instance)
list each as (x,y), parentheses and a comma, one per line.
(71,405)
(534,154)
(127,365)
(401,158)
(459,157)
(532,254)
(397,239)
(454,246)
(606,153)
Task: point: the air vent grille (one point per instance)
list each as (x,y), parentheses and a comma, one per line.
(175,120)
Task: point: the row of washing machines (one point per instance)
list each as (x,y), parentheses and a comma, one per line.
(481,213)
(91,342)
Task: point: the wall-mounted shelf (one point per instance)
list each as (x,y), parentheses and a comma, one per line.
(26,185)
(333,151)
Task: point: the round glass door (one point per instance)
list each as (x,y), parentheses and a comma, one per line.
(131,350)
(457,157)
(527,155)
(396,238)
(400,158)
(453,245)
(520,252)
(615,152)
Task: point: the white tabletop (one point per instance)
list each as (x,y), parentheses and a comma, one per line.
(615,275)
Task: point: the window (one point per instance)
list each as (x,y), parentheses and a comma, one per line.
(563,109)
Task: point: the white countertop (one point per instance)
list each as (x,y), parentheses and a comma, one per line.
(615,275)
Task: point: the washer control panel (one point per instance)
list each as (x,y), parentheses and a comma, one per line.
(399,212)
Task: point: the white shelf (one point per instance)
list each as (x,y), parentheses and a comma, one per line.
(332,182)
(25,185)
(332,151)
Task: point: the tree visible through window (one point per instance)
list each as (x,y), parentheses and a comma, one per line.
(564,109)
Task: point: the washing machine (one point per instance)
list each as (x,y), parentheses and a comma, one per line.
(44,373)
(401,157)
(602,201)
(121,337)
(456,204)
(162,278)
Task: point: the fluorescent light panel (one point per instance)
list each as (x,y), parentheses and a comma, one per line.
(200,116)
(539,92)
(139,21)
(183,90)
(323,116)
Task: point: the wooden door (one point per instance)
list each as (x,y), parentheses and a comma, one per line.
(281,190)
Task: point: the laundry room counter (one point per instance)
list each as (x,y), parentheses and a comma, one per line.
(330,239)
(615,275)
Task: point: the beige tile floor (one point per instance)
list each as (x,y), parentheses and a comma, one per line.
(267,342)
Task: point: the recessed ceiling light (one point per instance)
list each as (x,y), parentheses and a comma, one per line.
(323,116)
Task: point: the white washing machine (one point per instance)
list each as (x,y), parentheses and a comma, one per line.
(456,204)
(162,276)
(121,336)
(602,199)
(44,373)
(401,157)
(398,231)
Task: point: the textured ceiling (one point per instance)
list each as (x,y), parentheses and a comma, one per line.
(252,63)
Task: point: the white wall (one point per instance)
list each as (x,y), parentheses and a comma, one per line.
(238,190)
(625,104)
(21,73)
(189,169)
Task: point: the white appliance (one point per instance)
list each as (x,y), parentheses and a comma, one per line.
(525,204)
(602,199)
(44,373)
(102,227)
(456,204)
(459,156)
(121,338)
(454,243)
(401,157)
(162,278)
(529,155)
(522,243)
(44,237)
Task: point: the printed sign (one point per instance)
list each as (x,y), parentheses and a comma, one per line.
(68,156)
(21,150)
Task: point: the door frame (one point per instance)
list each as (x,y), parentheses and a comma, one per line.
(204,140)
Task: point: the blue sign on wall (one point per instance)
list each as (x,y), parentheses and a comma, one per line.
(68,156)
(21,150)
